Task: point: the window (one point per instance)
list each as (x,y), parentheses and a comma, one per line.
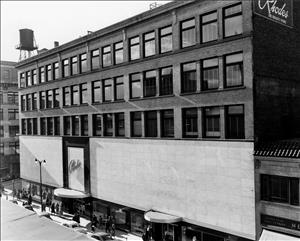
(106,56)
(75,125)
(108,124)
(235,122)
(188,36)
(97,96)
(75,95)
(212,122)
(119,88)
(34,78)
(120,124)
(83,94)
(42,100)
(74,65)
(49,102)
(150,83)
(95,59)
(1,98)
(84,125)
(29,127)
(234,70)
(190,125)
(1,114)
(13,130)
(189,82)
(233,20)
(49,72)
(165,39)
(43,126)
(66,96)
(209,27)
(118,53)
(279,189)
(14,147)
(28,78)
(210,74)
(97,125)
(2,148)
(149,44)
(12,98)
(136,124)
(24,129)
(56,126)
(67,125)
(34,101)
(65,68)
(166,81)
(108,88)
(1,131)
(29,101)
(50,128)
(134,46)
(56,98)
(167,123)
(34,126)
(13,114)
(22,80)
(6,74)
(135,86)
(42,74)
(150,124)
(55,70)
(83,63)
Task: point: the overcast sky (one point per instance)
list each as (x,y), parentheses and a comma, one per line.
(60,21)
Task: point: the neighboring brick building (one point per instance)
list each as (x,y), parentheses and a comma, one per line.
(155,118)
(9,122)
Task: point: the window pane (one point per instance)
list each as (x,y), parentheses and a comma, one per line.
(83,63)
(233,21)
(190,122)
(188,37)
(119,88)
(97,126)
(75,95)
(135,84)
(120,124)
(67,96)
(75,125)
(108,124)
(95,59)
(65,64)
(235,122)
(210,74)
(189,83)
(166,81)
(134,48)
(84,125)
(136,124)
(84,93)
(49,99)
(234,70)
(167,123)
(74,67)
(108,89)
(150,83)
(106,56)
(212,122)
(151,124)
(118,53)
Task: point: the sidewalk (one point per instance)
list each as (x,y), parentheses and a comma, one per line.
(66,217)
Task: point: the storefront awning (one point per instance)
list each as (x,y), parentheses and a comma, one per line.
(273,236)
(69,193)
(158,217)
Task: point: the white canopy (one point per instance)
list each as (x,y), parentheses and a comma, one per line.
(69,193)
(158,217)
(273,236)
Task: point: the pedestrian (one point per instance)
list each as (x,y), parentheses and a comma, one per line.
(113,230)
(57,208)
(100,221)
(29,199)
(52,207)
(107,225)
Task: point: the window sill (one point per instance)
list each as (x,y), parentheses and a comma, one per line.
(152,97)
(108,102)
(279,204)
(215,90)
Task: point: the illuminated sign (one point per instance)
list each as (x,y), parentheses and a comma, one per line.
(280,11)
(76,168)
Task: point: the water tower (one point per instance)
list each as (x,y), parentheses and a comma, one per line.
(27,45)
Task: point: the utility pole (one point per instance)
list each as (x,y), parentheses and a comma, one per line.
(40,163)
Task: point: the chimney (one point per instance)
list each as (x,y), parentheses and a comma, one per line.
(56,44)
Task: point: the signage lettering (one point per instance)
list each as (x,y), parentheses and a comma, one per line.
(280,222)
(280,11)
(74,165)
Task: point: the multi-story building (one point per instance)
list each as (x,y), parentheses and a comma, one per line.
(154,119)
(9,122)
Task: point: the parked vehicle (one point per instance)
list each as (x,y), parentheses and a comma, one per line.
(102,236)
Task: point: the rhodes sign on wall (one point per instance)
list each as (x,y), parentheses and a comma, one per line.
(280,11)
(76,168)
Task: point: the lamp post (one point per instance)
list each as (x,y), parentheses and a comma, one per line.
(40,162)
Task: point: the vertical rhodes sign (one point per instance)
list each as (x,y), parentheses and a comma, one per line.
(280,11)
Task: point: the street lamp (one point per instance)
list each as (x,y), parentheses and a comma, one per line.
(40,162)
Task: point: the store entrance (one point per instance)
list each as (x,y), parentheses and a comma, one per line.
(165,232)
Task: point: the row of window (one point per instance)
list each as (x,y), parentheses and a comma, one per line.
(13,148)
(146,84)
(12,98)
(13,114)
(114,53)
(12,130)
(280,189)
(147,122)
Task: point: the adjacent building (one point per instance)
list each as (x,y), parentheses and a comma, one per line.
(155,119)
(9,122)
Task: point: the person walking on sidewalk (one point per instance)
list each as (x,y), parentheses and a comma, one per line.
(53,207)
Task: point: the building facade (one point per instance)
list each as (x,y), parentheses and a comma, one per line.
(154,119)
(9,122)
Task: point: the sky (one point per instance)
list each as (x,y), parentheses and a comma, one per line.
(61,21)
